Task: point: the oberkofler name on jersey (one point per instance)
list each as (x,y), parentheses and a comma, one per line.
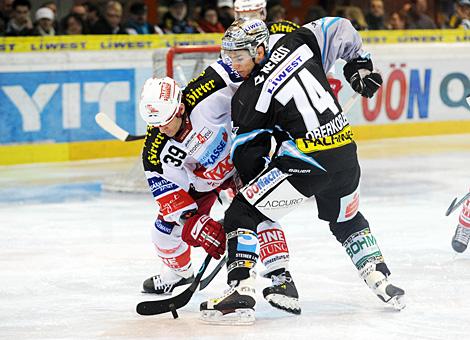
(333,126)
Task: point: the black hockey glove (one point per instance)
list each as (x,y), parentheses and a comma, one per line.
(360,74)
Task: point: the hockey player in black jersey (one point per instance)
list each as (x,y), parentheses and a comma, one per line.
(286,95)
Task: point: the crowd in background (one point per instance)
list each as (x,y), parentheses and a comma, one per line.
(181,16)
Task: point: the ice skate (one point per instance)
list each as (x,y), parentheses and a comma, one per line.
(380,285)
(235,307)
(282,294)
(461,238)
(165,282)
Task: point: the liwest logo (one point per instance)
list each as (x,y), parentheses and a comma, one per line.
(61,106)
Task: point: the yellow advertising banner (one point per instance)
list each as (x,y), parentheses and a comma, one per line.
(144,42)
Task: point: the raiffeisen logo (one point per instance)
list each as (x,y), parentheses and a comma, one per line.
(215,150)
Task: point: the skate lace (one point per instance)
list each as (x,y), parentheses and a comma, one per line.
(160,284)
(462,234)
(280,279)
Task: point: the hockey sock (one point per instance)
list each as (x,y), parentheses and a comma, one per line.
(362,248)
(243,249)
(273,252)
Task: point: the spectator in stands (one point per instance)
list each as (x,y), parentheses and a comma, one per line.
(6,10)
(225,12)
(92,14)
(354,14)
(137,23)
(73,24)
(209,22)
(375,17)
(44,25)
(276,13)
(53,7)
(111,21)
(416,17)
(176,19)
(461,17)
(79,10)
(20,23)
(396,21)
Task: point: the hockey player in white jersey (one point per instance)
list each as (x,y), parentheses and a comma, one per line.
(286,95)
(462,232)
(186,161)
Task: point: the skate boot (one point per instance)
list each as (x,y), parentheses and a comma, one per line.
(282,294)
(461,238)
(165,282)
(376,277)
(235,307)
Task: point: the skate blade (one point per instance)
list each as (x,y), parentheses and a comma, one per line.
(397,302)
(240,317)
(285,303)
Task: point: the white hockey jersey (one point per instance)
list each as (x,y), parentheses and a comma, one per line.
(198,157)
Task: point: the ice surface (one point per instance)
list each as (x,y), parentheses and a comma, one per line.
(72,258)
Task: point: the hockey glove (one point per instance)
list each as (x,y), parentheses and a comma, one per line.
(359,73)
(201,230)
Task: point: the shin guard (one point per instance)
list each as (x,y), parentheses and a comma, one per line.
(273,252)
(243,250)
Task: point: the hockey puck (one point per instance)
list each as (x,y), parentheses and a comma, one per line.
(173,311)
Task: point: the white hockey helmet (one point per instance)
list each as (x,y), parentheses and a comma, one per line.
(246,34)
(159,101)
(255,9)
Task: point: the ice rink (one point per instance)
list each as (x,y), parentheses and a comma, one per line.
(73,258)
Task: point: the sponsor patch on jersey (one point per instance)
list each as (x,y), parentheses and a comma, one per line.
(274,59)
(336,140)
(280,204)
(215,149)
(219,172)
(349,205)
(163,226)
(160,185)
(208,82)
(256,190)
(284,26)
(154,143)
(174,202)
(281,74)
(195,141)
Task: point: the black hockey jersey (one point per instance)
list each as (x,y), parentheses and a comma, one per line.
(289,97)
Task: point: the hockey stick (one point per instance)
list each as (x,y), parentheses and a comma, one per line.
(175,302)
(454,205)
(107,124)
(349,104)
(205,282)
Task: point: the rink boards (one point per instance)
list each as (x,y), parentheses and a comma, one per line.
(49,99)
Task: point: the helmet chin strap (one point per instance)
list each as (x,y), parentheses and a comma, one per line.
(185,126)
